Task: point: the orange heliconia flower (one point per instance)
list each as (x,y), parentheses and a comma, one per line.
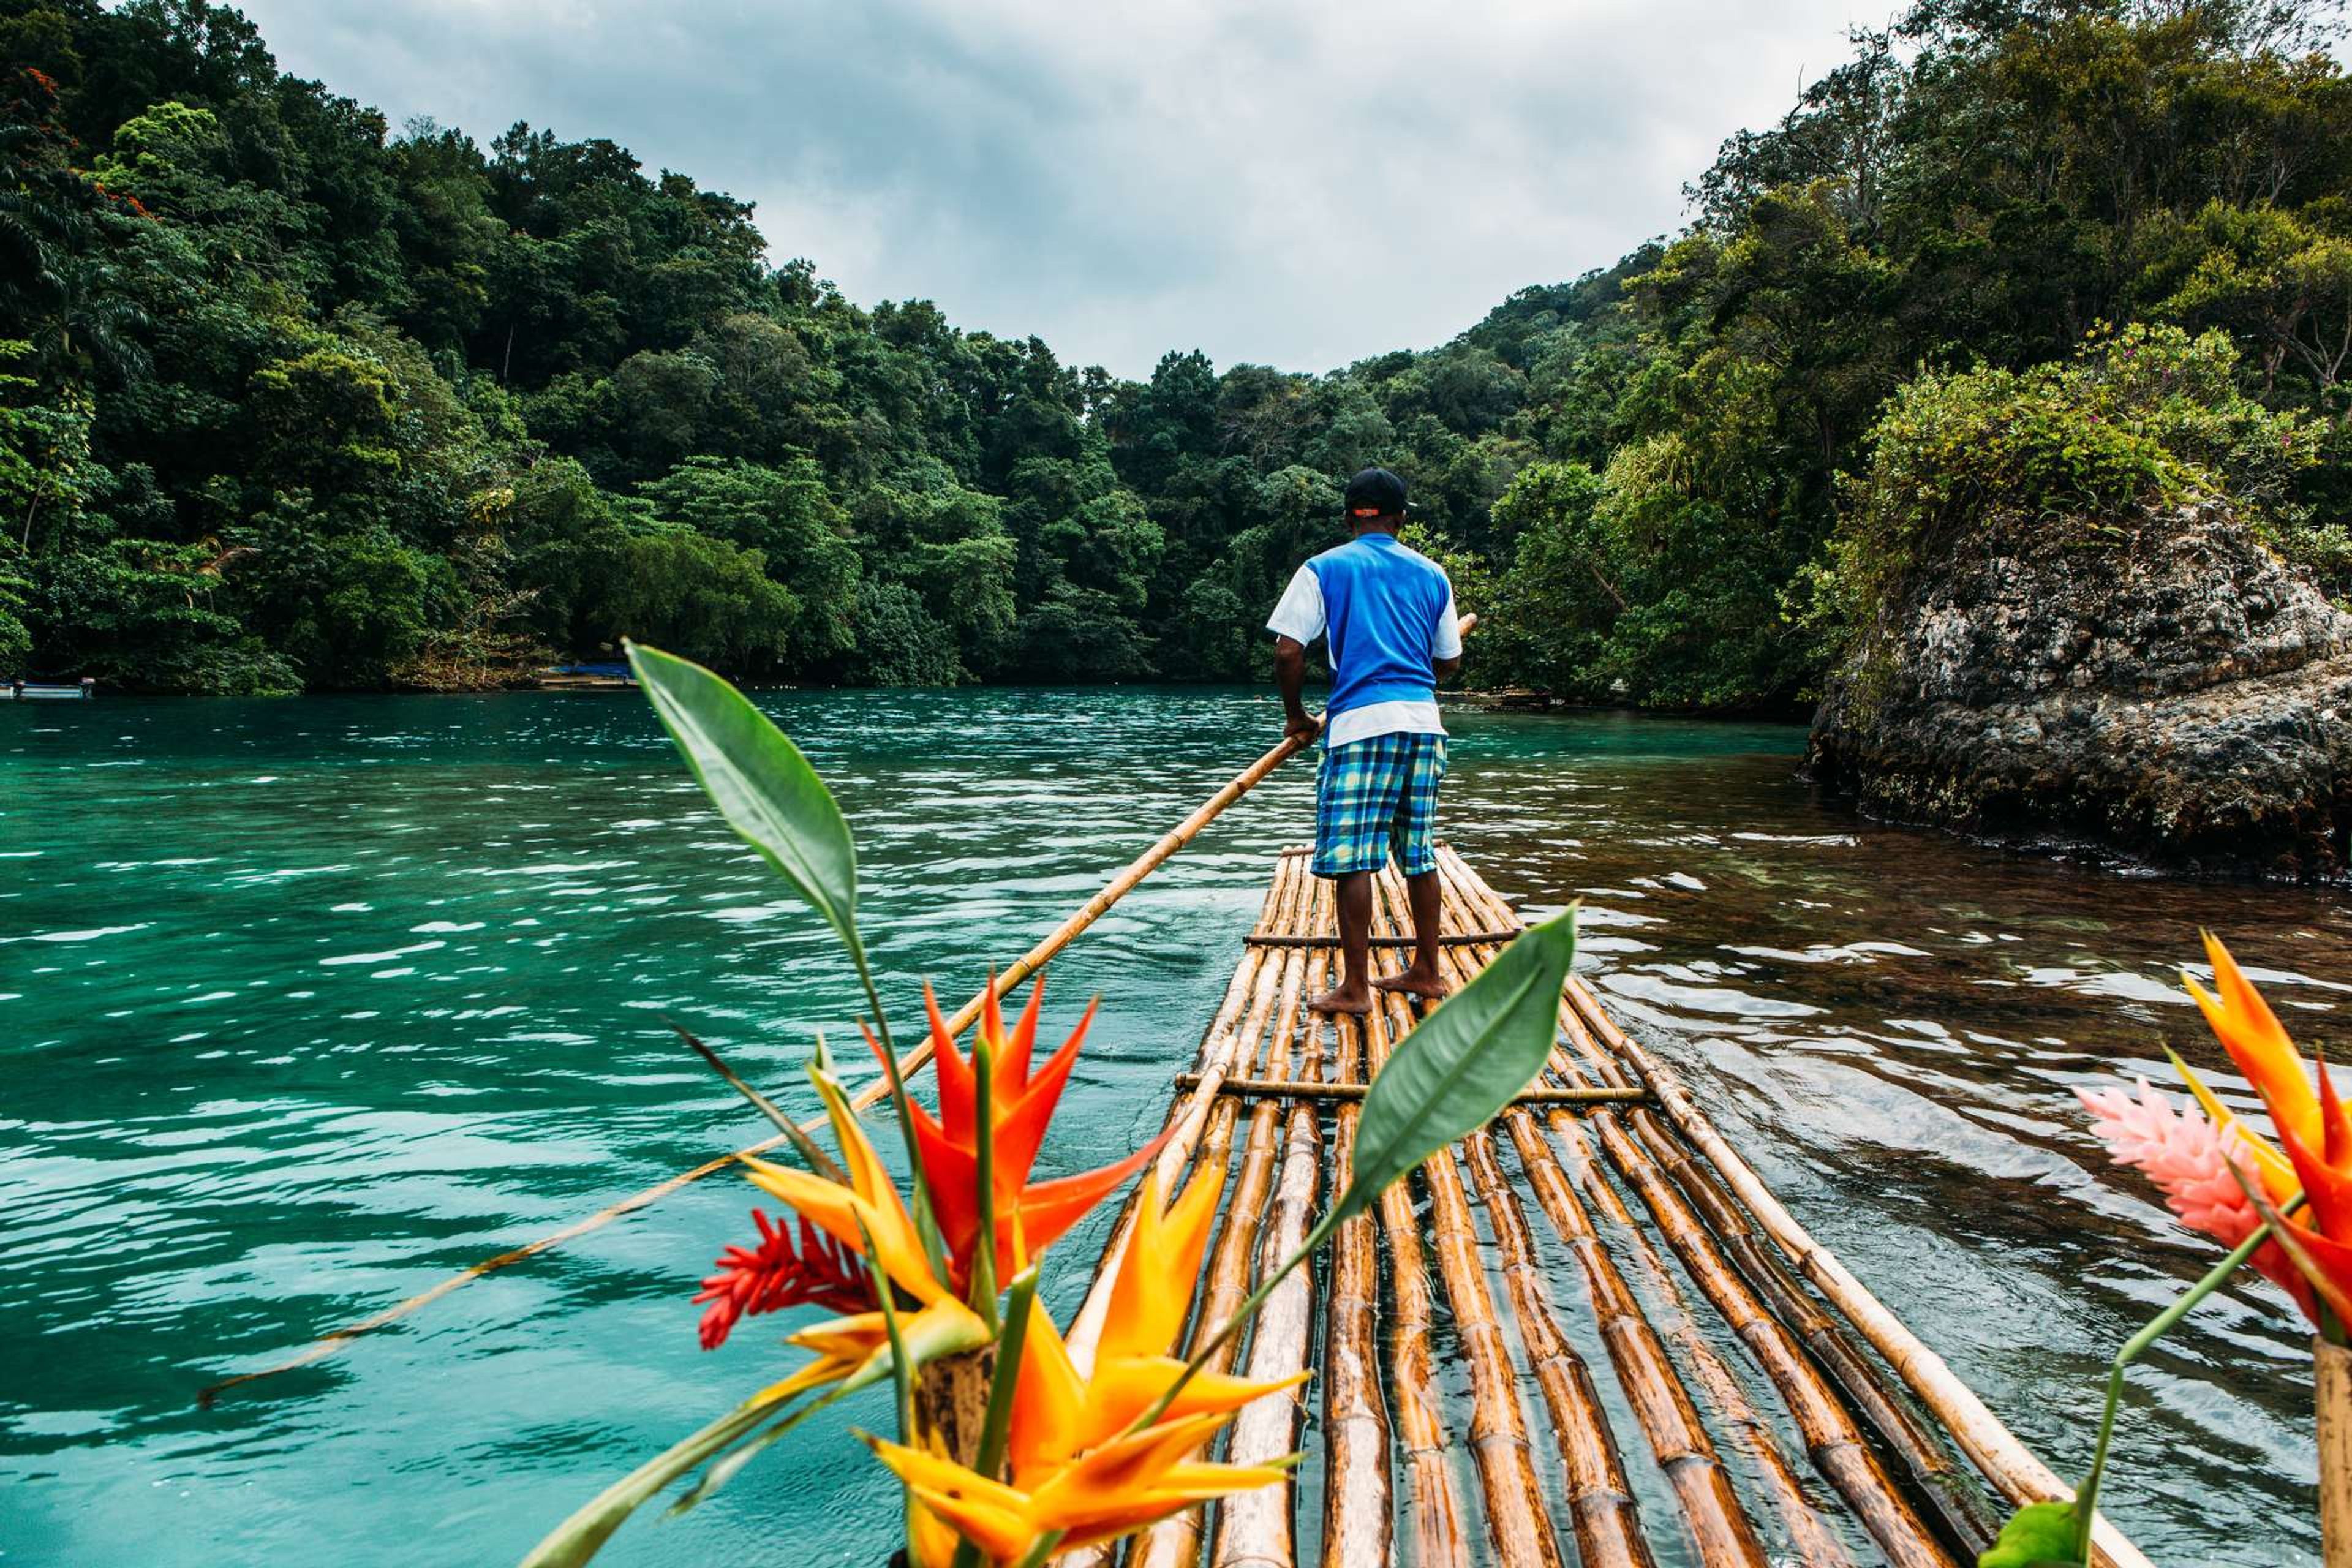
(1075,1469)
(2312,1128)
(2257,1042)
(1029,1216)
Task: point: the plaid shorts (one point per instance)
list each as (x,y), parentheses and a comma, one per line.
(1375,796)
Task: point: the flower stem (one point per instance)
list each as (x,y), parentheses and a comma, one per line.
(994,1430)
(983,1251)
(1044,1549)
(2087,1496)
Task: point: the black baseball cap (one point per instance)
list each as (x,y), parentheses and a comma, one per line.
(1375,492)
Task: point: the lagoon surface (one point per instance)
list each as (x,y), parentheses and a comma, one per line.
(304,1005)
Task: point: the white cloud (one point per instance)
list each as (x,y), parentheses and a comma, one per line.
(1294,184)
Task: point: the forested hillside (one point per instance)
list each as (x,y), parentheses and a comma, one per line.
(291,398)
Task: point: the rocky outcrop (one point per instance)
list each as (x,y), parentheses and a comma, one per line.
(2160,686)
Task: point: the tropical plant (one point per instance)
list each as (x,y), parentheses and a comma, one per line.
(1005,1450)
(2287,1213)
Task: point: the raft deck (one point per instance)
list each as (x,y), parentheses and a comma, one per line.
(1651,1362)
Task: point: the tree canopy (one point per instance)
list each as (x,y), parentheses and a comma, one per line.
(289,399)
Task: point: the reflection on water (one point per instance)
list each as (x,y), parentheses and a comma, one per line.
(303,1005)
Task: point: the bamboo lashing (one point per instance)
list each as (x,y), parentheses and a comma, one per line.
(910,1062)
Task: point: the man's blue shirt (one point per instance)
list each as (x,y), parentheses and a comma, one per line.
(1383,607)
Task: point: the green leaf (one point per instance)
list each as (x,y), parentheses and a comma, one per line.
(758,780)
(577,1539)
(2038,1535)
(1463,1064)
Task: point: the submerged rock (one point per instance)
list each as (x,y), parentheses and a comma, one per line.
(2162,686)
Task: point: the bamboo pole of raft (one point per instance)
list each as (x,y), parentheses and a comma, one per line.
(1946,1489)
(1816,1546)
(1600,1501)
(912,1061)
(2331,1367)
(1990,1445)
(1516,1520)
(1258,982)
(1433,1506)
(1255,1528)
(1359,1508)
(1272,994)
(1175,1541)
(1835,1443)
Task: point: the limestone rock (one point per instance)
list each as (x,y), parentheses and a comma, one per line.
(2160,686)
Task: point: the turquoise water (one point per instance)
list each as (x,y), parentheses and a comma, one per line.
(304,1004)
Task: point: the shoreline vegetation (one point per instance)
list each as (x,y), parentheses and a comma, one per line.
(293,399)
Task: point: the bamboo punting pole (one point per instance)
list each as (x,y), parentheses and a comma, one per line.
(1359,1508)
(1600,1501)
(910,1062)
(1990,1446)
(1516,1520)
(1255,1528)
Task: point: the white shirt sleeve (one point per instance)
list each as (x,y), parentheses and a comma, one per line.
(1448,644)
(1299,615)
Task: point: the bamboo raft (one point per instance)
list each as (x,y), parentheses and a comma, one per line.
(1714,1388)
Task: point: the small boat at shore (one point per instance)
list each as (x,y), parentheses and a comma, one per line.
(609,676)
(82,690)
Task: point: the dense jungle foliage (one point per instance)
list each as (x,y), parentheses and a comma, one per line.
(288,400)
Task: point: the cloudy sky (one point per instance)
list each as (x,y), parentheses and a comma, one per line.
(1299,182)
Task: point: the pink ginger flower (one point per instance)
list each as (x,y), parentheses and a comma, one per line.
(2191,1160)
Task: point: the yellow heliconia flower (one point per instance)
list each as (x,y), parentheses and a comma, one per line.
(1076,1470)
(1112,1490)
(870,1197)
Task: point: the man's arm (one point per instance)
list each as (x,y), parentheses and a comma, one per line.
(1290,678)
(1446,657)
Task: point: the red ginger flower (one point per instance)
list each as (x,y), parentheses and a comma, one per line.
(1029,1216)
(776,1276)
(2191,1159)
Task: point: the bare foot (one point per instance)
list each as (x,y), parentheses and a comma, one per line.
(1355,1002)
(1415,982)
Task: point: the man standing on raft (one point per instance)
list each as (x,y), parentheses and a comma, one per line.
(1388,612)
